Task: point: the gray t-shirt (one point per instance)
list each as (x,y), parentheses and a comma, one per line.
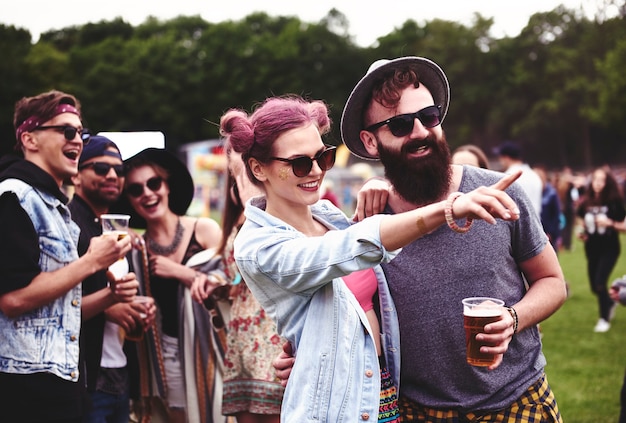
(429,278)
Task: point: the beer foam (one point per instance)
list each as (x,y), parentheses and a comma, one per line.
(482,312)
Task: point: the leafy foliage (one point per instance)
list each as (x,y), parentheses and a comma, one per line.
(557,87)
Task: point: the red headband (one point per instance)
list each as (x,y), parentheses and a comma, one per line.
(34,121)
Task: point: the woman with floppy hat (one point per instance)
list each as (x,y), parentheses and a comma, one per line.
(158,190)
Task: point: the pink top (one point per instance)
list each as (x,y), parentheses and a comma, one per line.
(363,285)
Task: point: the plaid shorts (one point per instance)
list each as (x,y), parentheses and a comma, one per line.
(536,405)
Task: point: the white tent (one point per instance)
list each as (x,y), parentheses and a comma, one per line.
(131,143)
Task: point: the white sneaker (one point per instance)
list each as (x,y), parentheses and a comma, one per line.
(602,326)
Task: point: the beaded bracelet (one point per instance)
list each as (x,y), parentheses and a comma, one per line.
(513,314)
(450,217)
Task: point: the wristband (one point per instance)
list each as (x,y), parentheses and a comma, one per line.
(513,314)
(450,215)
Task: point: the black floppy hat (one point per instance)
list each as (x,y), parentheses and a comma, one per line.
(430,75)
(180,183)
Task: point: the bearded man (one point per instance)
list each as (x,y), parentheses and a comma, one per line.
(394,115)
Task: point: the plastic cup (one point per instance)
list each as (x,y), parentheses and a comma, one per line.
(115,223)
(137,333)
(478,312)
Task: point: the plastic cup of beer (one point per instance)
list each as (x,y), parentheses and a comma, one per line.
(478,312)
(115,224)
(137,333)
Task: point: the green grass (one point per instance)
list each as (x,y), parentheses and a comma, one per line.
(585,369)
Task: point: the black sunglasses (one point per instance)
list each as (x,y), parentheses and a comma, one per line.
(153,184)
(103,169)
(69,132)
(217,321)
(402,125)
(302,165)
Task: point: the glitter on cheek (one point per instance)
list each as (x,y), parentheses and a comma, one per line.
(283,173)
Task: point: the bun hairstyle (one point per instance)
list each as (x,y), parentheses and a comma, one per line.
(254,135)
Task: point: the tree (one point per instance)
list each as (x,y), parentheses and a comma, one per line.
(556,87)
(15,45)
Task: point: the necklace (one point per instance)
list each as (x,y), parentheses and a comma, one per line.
(166,250)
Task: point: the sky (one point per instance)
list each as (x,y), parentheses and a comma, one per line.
(366,23)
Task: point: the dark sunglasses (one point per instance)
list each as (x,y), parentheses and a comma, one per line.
(302,165)
(402,125)
(217,321)
(153,184)
(103,169)
(69,132)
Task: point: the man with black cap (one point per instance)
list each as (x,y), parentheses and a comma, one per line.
(510,155)
(109,364)
(40,288)
(394,115)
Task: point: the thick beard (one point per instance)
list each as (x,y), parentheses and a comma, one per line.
(423,180)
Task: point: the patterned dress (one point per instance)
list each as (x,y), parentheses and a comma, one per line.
(250,383)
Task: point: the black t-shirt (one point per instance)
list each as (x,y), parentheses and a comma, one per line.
(601,241)
(40,397)
(19,249)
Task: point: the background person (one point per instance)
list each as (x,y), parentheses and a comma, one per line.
(510,156)
(252,392)
(470,154)
(618,294)
(158,190)
(601,207)
(550,209)
(40,266)
(110,365)
(568,198)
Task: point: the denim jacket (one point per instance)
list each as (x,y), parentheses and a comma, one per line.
(45,339)
(297,280)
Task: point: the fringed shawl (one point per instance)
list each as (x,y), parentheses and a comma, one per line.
(202,349)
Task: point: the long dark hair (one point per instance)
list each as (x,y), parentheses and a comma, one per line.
(233,207)
(611,193)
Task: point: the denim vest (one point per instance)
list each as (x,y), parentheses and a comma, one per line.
(297,280)
(45,339)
